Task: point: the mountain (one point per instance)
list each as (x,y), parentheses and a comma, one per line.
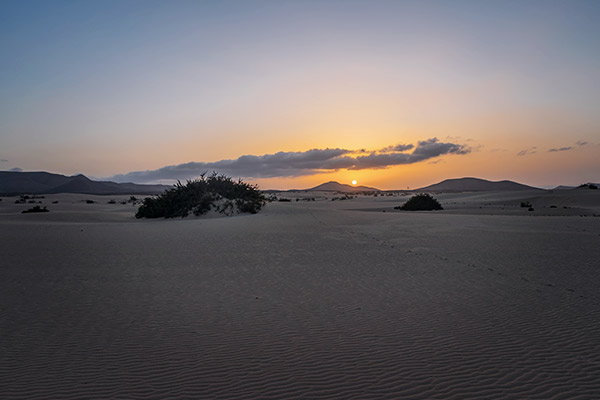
(339,187)
(47,183)
(474,185)
(564,187)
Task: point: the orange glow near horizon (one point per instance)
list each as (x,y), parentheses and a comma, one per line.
(486,164)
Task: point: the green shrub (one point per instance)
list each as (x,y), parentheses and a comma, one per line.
(198,196)
(420,202)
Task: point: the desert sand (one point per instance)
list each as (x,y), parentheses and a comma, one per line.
(305,300)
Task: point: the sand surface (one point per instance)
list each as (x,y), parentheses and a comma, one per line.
(305,300)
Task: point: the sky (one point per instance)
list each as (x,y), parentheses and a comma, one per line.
(290,94)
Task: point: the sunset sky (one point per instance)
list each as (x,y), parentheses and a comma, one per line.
(290,94)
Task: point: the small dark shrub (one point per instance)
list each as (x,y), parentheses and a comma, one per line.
(420,202)
(553,206)
(22,199)
(283,200)
(526,204)
(344,197)
(217,192)
(89,202)
(35,209)
(530,209)
(112,202)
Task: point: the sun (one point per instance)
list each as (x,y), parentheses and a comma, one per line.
(354,182)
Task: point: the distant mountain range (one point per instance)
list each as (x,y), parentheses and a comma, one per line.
(474,185)
(47,183)
(340,187)
(584,186)
(449,185)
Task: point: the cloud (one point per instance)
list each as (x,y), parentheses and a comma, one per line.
(581,143)
(16,169)
(433,148)
(3,160)
(292,164)
(560,149)
(425,150)
(531,150)
(398,147)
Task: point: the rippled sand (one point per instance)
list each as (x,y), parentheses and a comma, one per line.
(313,300)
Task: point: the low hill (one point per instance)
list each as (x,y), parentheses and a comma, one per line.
(474,185)
(564,187)
(589,185)
(583,186)
(340,187)
(47,183)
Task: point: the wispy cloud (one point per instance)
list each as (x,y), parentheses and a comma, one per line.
(3,160)
(291,164)
(526,152)
(560,149)
(581,143)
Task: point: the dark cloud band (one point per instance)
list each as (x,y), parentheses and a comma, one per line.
(292,164)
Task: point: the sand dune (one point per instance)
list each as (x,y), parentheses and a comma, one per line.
(310,299)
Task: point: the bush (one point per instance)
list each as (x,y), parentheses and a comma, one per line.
(35,209)
(420,202)
(217,192)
